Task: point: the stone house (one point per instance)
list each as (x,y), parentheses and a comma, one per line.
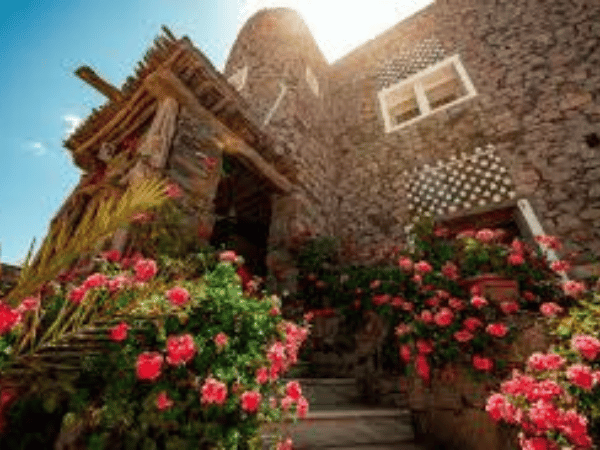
(475,112)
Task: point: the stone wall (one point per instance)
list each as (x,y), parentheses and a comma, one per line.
(277,48)
(535,68)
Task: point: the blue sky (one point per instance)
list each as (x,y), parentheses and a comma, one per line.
(42,42)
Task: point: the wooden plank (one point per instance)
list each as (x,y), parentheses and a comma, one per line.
(159,138)
(164,83)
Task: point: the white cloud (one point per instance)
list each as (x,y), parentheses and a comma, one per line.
(71,122)
(38,148)
(342,25)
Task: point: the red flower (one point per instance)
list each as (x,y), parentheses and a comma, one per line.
(450,271)
(405,263)
(173,190)
(509,307)
(96,280)
(463,336)
(495,406)
(472,323)
(274,311)
(423,267)
(444,317)
(309,316)
(478,302)
(424,347)
(221,340)
(515,259)
(497,329)
(181,349)
(163,401)
(422,367)
(8,318)
(375,284)
(587,346)
(178,296)
(148,366)
(550,309)
(210,162)
(213,392)
(293,390)
(540,361)
(560,266)
(485,235)
(405,353)
(118,333)
(250,401)
(112,256)
(426,316)
(145,269)
(262,375)
(456,304)
(573,288)
(28,304)
(529,296)
(285,445)
(483,364)
(581,375)
(551,242)
(302,407)
(77,294)
(228,256)
(380,299)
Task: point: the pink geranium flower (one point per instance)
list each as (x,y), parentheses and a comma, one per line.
(426,316)
(424,347)
(262,375)
(457,304)
(405,263)
(509,307)
(515,259)
(77,294)
(550,309)
(148,366)
(450,270)
(178,296)
(587,346)
(478,302)
(463,336)
(560,266)
(221,340)
(163,402)
(213,392)
(472,323)
(228,256)
(573,288)
(293,390)
(540,362)
(285,445)
(250,401)
(118,333)
(96,280)
(422,367)
(181,349)
(405,353)
(497,329)
(403,329)
(482,363)
(581,375)
(302,407)
(173,190)
(9,318)
(551,242)
(145,269)
(485,235)
(112,256)
(423,267)
(444,317)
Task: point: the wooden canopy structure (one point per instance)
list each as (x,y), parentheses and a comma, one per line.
(174,73)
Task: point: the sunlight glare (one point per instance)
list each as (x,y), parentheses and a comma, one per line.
(339,26)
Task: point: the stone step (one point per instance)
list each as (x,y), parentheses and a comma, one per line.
(364,427)
(326,394)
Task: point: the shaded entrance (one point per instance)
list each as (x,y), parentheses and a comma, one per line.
(243,213)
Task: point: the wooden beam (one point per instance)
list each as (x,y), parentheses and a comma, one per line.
(88,75)
(159,138)
(163,83)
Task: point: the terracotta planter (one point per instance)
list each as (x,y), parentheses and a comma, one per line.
(496,288)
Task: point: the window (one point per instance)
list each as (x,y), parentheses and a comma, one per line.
(435,88)
(238,79)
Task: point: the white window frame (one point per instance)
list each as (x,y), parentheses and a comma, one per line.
(414,83)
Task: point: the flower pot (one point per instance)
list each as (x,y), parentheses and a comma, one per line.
(495,288)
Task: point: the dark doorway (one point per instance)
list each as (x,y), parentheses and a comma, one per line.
(243,211)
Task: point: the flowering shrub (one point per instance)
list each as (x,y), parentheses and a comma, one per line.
(187,362)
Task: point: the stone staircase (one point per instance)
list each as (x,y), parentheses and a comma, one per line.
(340,419)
